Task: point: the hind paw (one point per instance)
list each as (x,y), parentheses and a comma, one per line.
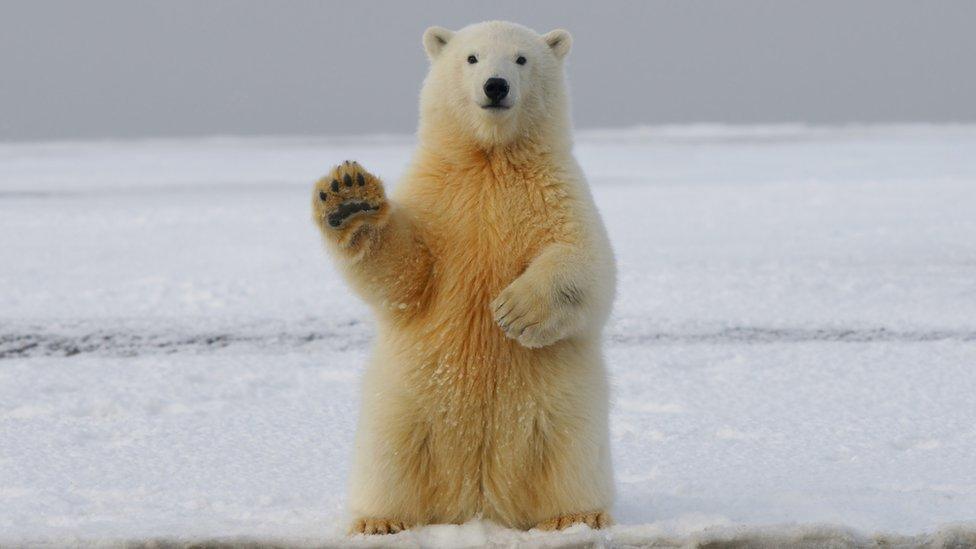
(378,526)
(597,519)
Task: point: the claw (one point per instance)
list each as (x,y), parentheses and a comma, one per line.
(527,326)
(505,325)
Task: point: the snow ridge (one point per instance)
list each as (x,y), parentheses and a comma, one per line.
(41,340)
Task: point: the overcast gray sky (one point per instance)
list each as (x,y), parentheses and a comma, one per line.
(135,68)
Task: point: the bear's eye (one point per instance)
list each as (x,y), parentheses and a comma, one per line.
(472,60)
(520,60)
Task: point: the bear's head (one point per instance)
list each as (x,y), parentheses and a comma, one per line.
(494,83)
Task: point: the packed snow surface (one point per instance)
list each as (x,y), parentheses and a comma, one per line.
(792,350)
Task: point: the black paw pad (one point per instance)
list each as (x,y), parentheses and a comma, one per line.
(360,179)
(347,179)
(335,186)
(323,196)
(346,209)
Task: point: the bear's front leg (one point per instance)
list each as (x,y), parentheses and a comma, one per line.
(549,301)
(375,242)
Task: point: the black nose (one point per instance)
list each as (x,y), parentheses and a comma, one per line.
(496,89)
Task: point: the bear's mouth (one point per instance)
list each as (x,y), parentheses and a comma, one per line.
(348,209)
(495,106)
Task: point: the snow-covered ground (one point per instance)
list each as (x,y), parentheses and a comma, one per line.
(793,343)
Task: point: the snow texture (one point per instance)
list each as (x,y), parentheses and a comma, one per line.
(792,351)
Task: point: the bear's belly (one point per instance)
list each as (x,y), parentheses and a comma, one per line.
(459,333)
(460,363)
(458,341)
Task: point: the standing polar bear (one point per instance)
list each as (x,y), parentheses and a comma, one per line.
(491,278)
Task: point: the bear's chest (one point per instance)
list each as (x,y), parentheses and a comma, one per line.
(482,236)
(489,233)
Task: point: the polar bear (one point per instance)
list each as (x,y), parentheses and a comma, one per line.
(491,277)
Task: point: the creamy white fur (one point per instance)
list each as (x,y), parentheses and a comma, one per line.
(491,277)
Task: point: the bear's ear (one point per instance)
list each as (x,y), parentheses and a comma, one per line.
(560,41)
(435,38)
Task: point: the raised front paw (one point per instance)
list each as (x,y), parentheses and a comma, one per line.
(347,194)
(535,315)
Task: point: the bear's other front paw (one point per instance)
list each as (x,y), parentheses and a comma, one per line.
(348,193)
(531,314)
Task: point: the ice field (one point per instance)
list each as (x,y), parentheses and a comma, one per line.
(792,350)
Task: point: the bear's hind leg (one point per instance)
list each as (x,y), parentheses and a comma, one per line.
(557,477)
(390,487)
(549,462)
